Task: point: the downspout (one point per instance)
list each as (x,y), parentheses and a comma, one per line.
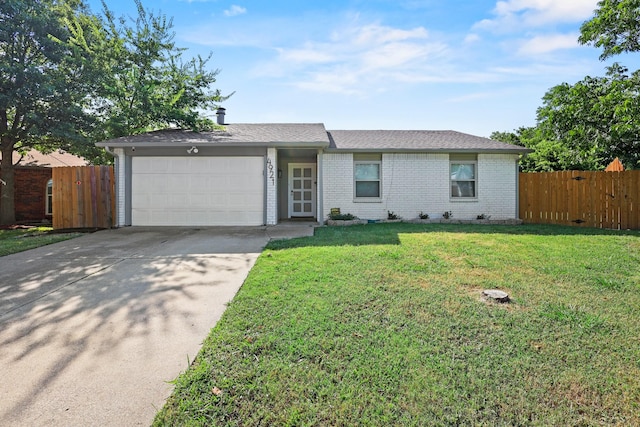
(108,150)
(517,189)
(319,188)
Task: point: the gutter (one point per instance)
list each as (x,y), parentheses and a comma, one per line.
(143,144)
(428,150)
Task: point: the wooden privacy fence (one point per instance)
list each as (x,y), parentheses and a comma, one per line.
(83,197)
(589,199)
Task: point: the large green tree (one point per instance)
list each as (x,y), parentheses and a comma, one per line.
(589,123)
(615,27)
(584,126)
(43,84)
(146,83)
(69,78)
(596,119)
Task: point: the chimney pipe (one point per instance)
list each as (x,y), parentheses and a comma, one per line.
(220,113)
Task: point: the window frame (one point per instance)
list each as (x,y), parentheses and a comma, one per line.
(474,180)
(48,198)
(379,180)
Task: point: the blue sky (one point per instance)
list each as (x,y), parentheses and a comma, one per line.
(473,66)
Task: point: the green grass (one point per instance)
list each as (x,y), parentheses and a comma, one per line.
(18,240)
(383,325)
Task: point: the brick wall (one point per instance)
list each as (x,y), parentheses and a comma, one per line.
(30,193)
(272,186)
(415,182)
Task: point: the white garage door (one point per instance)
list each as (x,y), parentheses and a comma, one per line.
(197,191)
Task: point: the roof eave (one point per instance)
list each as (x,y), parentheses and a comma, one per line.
(433,150)
(286,144)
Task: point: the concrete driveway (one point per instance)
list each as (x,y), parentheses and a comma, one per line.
(92,329)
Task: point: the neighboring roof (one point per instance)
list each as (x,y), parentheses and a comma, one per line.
(52,160)
(416,140)
(615,166)
(260,134)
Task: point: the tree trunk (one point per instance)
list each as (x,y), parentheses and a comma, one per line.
(7,186)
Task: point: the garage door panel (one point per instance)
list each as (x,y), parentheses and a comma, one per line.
(197,191)
(203,167)
(153,165)
(239,200)
(177,184)
(161,201)
(145,183)
(199,202)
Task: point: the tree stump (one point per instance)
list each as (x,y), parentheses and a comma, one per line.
(496,295)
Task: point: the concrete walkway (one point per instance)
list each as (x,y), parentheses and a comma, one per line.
(92,329)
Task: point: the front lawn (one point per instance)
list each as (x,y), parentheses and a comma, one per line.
(22,239)
(385,325)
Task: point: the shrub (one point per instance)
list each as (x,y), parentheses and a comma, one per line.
(342,217)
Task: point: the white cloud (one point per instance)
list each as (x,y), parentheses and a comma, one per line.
(353,57)
(363,58)
(376,34)
(513,15)
(366,59)
(235,10)
(305,55)
(472,38)
(472,97)
(548,43)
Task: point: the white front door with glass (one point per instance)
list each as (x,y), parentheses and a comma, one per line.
(302,190)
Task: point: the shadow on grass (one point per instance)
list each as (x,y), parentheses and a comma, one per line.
(388,234)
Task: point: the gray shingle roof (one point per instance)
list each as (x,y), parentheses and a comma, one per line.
(235,134)
(315,135)
(416,140)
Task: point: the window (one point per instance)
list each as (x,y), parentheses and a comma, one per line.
(48,200)
(463,179)
(367,179)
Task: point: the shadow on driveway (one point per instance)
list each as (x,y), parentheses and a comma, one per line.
(92,329)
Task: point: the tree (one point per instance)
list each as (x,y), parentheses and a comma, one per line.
(43,87)
(584,126)
(615,27)
(588,124)
(145,83)
(69,78)
(548,155)
(596,119)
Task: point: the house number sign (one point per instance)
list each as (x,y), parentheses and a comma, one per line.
(270,172)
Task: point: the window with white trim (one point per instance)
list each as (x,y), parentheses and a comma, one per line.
(367,175)
(48,200)
(463,174)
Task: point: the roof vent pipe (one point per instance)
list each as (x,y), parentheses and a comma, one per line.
(220,113)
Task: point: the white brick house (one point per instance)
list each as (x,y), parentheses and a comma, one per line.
(257,174)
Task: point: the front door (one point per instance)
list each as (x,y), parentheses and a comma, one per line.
(302,190)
